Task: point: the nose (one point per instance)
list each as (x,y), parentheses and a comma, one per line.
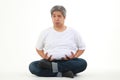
(56,18)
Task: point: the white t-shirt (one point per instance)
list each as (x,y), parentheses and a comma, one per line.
(59,44)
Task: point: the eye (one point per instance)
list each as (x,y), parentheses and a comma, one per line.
(59,15)
(53,16)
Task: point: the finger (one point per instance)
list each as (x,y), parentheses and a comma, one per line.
(64,58)
(72,55)
(46,56)
(67,57)
(50,57)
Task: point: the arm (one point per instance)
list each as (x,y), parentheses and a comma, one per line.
(44,55)
(78,53)
(80,45)
(40,52)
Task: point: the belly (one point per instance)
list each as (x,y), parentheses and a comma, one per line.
(58,54)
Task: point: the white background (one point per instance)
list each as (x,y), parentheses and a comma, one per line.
(21,22)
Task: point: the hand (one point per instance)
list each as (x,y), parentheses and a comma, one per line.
(49,58)
(69,57)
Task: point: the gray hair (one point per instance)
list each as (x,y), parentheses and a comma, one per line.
(59,8)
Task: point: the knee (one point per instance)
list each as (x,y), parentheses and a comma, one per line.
(83,64)
(33,67)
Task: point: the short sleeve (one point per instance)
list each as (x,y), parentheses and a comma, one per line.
(79,41)
(40,41)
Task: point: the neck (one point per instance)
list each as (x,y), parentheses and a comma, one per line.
(60,28)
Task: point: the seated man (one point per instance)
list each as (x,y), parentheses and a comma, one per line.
(60,47)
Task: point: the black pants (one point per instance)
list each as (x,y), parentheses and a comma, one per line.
(75,65)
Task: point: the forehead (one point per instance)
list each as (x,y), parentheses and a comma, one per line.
(57,13)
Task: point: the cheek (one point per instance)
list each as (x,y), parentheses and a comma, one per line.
(53,20)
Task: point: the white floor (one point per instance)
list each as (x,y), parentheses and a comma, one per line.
(87,75)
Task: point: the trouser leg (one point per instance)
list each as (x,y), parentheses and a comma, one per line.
(75,65)
(36,70)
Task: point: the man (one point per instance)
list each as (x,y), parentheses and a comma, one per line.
(59,46)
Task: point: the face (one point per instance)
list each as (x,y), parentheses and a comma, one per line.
(58,18)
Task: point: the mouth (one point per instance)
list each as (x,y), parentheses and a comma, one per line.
(57,22)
